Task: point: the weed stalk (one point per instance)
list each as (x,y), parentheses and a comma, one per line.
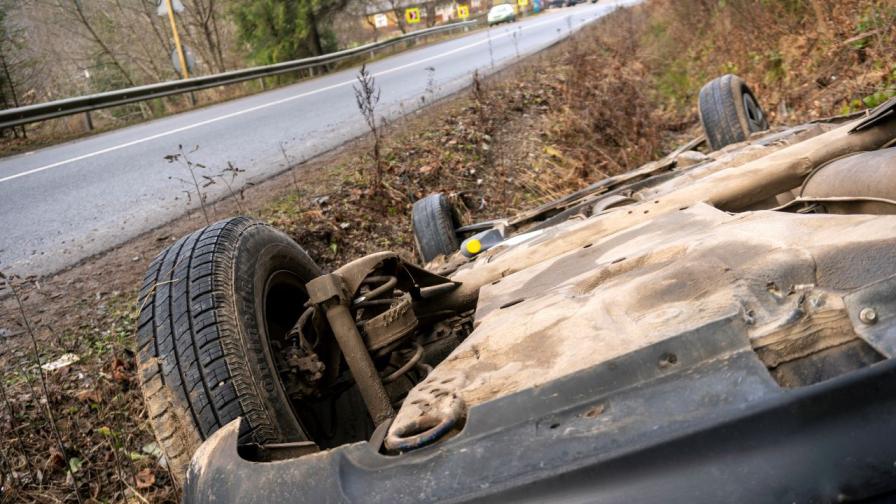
(43,381)
(182,158)
(367,96)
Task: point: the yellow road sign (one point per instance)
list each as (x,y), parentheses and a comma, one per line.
(463,11)
(522,3)
(412,15)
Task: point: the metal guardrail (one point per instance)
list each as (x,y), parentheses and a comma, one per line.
(70,106)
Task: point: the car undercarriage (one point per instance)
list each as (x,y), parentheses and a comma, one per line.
(713,326)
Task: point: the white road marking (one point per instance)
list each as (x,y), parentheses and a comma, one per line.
(507,33)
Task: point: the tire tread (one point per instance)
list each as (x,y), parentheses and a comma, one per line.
(191,358)
(433,227)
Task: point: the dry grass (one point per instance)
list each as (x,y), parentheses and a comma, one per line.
(804,59)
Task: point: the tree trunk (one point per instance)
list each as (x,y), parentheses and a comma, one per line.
(217,32)
(316,45)
(372,24)
(399,16)
(430,14)
(203,21)
(14,96)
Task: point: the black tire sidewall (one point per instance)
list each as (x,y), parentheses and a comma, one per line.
(723,113)
(434,222)
(763,124)
(261,252)
(739,90)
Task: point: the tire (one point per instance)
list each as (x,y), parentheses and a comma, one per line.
(729,111)
(433,225)
(208,310)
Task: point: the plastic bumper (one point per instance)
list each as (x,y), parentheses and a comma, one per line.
(713,428)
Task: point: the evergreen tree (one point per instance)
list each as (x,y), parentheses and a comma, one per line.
(282,30)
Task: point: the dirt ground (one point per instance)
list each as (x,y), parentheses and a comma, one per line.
(613,97)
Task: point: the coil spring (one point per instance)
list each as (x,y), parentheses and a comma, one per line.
(407,366)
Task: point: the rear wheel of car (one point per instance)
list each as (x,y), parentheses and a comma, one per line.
(209,305)
(433,224)
(729,111)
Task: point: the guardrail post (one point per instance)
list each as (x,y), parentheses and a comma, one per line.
(88,121)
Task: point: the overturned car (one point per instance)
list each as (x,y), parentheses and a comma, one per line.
(711,327)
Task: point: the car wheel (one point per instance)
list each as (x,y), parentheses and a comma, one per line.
(433,224)
(729,111)
(209,306)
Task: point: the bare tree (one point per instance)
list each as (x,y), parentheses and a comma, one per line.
(13,68)
(397,7)
(82,17)
(372,24)
(430,13)
(365,9)
(202,16)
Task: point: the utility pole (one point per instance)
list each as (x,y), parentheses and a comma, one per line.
(185,72)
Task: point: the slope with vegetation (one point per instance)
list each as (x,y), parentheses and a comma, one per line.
(620,93)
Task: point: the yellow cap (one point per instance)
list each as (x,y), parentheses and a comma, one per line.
(474,246)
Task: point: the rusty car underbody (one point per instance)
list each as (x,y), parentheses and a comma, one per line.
(712,327)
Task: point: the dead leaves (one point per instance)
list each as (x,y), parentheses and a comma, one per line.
(88,395)
(122,371)
(145,478)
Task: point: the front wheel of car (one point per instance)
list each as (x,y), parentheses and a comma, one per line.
(211,305)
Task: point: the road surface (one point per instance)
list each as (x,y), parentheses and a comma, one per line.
(67,202)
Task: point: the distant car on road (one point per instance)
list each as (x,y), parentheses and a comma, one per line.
(500,14)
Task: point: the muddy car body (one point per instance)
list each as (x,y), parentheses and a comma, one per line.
(712,327)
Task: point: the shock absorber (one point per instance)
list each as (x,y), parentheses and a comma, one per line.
(328,291)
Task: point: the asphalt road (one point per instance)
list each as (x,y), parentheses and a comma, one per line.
(67,202)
